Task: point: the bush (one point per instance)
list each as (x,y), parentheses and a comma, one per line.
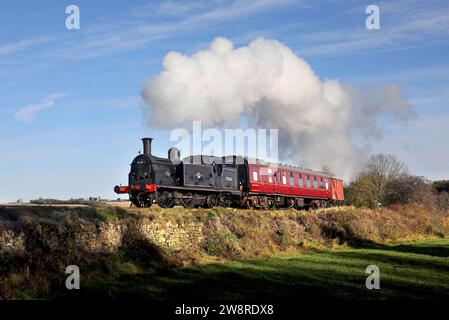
(442,202)
(409,189)
(441,186)
(360,194)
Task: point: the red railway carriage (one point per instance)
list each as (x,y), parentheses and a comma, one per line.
(299,187)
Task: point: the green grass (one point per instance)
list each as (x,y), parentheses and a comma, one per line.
(412,270)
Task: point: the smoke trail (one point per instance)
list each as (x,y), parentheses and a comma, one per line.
(272,87)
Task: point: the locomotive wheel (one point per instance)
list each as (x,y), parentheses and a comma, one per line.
(250,204)
(135,201)
(272,204)
(290,203)
(265,203)
(141,200)
(146,200)
(212,201)
(166,200)
(224,201)
(188,200)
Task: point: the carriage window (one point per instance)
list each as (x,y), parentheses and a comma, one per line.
(261,174)
(300,181)
(292,180)
(284,179)
(254,174)
(327,184)
(315,183)
(321,183)
(270,176)
(308,182)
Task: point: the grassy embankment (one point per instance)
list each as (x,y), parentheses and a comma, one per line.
(282,254)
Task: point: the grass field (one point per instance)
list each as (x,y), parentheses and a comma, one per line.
(411,270)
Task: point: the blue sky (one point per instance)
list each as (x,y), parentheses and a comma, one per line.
(84,84)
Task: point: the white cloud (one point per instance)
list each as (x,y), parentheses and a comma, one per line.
(28,113)
(130,32)
(167,8)
(235,10)
(407,24)
(20,45)
(263,82)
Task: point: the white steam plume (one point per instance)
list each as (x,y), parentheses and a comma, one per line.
(272,87)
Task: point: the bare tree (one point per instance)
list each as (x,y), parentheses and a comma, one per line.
(382,169)
(386,165)
(369,189)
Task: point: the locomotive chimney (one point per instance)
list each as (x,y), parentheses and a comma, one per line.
(147,146)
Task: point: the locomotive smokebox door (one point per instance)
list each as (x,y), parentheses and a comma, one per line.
(198,175)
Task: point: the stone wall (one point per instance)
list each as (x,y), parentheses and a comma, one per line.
(96,236)
(11,239)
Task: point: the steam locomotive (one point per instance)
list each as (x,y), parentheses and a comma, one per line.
(229,181)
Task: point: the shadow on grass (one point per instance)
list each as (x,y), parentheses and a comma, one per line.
(318,275)
(431,249)
(39,272)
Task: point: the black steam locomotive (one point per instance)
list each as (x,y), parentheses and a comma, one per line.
(194,181)
(209,181)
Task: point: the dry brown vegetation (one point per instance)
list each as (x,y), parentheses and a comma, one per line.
(244,233)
